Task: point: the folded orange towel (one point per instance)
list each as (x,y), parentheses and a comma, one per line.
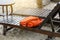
(27,19)
(31,21)
(34,23)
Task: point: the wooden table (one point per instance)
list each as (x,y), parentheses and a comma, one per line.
(6,3)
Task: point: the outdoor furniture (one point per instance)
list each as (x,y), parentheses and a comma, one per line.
(55,0)
(14,23)
(6,3)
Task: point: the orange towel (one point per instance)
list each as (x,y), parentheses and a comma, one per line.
(34,23)
(27,19)
(31,21)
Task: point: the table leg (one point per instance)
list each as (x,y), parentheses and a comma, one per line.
(11,12)
(3,9)
(4,29)
(7,12)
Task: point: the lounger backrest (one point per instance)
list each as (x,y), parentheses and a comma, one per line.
(51,14)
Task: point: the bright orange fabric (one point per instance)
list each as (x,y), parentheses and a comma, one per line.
(31,21)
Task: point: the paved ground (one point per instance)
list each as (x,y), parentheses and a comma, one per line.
(17,34)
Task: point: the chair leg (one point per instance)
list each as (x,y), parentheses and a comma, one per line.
(4,29)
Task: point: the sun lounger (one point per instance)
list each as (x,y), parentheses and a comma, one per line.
(14,23)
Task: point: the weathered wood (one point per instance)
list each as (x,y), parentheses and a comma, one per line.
(9,28)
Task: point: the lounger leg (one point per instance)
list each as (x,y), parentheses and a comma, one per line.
(4,30)
(50,38)
(59,17)
(59,23)
(52,27)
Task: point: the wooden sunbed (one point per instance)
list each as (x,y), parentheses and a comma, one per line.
(48,18)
